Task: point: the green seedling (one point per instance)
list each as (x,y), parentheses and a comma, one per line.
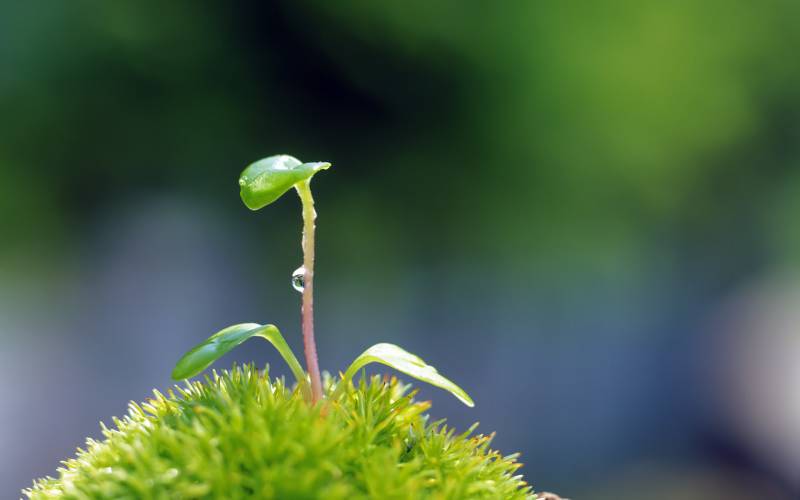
(262,183)
(241,434)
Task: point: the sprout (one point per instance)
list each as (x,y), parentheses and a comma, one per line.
(262,183)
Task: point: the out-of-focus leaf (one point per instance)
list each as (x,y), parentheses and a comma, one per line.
(268,179)
(410,364)
(205,353)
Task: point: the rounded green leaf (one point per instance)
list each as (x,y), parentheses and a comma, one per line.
(214,347)
(410,364)
(268,179)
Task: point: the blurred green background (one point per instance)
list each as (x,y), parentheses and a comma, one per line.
(585,214)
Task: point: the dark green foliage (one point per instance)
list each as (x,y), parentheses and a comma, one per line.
(240,435)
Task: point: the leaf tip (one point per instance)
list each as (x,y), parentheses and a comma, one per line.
(316,166)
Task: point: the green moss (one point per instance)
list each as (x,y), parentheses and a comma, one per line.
(240,435)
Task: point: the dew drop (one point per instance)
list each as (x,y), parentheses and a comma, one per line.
(242,182)
(299,279)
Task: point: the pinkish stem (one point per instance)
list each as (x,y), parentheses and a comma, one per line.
(309,345)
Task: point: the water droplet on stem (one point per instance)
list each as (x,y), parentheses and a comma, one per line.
(299,279)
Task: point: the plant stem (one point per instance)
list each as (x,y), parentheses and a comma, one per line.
(309,345)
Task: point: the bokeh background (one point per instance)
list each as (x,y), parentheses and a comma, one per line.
(585,214)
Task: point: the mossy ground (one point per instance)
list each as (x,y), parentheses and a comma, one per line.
(241,435)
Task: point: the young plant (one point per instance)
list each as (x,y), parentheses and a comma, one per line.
(240,434)
(262,183)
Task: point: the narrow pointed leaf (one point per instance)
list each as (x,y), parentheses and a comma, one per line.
(403,361)
(205,353)
(268,179)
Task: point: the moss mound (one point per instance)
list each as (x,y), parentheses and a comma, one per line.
(240,435)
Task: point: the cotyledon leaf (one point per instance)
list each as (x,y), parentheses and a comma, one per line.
(410,364)
(266,180)
(205,353)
